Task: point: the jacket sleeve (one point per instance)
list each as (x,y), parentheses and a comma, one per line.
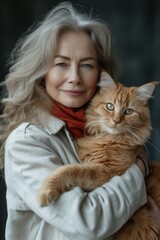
(94,215)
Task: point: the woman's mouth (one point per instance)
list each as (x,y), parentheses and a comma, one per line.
(73,92)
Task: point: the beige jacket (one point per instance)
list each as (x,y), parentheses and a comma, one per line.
(33,153)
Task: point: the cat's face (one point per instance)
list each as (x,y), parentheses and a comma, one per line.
(117,109)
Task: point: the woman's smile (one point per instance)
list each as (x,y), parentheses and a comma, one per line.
(73,92)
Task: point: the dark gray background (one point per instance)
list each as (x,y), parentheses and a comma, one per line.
(136,30)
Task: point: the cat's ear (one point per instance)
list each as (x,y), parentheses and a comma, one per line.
(106,81)
(145,91)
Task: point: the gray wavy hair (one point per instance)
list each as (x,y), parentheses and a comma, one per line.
(26,98)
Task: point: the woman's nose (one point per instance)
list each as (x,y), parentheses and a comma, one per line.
(74,76)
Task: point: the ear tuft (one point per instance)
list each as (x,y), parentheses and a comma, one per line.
(145,91)
(106,81)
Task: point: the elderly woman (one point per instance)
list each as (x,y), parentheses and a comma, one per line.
(60,62)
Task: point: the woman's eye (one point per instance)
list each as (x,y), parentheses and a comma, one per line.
(128,111)
(86,65)
(110,106)
(61,64)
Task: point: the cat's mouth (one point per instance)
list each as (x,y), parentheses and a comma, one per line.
(112,130)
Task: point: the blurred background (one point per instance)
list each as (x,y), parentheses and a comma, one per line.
(136,33)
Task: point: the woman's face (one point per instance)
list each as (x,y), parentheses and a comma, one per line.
(73,77)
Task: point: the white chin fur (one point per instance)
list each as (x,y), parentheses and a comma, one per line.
(111,130)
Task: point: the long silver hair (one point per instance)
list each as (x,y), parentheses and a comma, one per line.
(25,95)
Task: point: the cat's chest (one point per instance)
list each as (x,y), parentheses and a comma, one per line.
(106,152)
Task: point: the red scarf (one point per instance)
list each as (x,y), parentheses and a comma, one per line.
(73,117)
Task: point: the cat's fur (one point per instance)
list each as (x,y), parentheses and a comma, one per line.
(113,138)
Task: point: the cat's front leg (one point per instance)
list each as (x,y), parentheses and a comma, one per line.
(53,186)
(86,176)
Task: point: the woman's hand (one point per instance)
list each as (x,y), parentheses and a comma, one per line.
(154,210)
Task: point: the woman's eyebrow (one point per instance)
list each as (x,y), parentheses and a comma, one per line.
(82,59)
(88,58)
(61,56)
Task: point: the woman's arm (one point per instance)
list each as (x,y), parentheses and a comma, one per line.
(94,215)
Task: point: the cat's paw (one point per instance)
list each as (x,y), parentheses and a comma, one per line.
(45,197)
(52,187)
(48,193)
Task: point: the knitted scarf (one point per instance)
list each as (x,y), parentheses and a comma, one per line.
(73,117)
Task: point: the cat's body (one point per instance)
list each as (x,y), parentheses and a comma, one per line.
(117,123)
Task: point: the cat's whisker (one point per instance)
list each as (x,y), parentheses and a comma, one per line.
(92,127)
(131,132)
(153,145)
(140,140)
(92,123)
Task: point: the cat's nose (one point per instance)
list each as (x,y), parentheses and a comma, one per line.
(116,121)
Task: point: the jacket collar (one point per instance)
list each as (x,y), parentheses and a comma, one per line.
(52,124)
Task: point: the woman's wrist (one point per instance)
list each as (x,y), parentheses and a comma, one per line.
(143,165)
(143,160)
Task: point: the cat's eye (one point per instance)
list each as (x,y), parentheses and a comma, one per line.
(128,111)
(110,106)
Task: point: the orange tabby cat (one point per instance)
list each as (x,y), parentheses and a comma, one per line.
(117,123)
